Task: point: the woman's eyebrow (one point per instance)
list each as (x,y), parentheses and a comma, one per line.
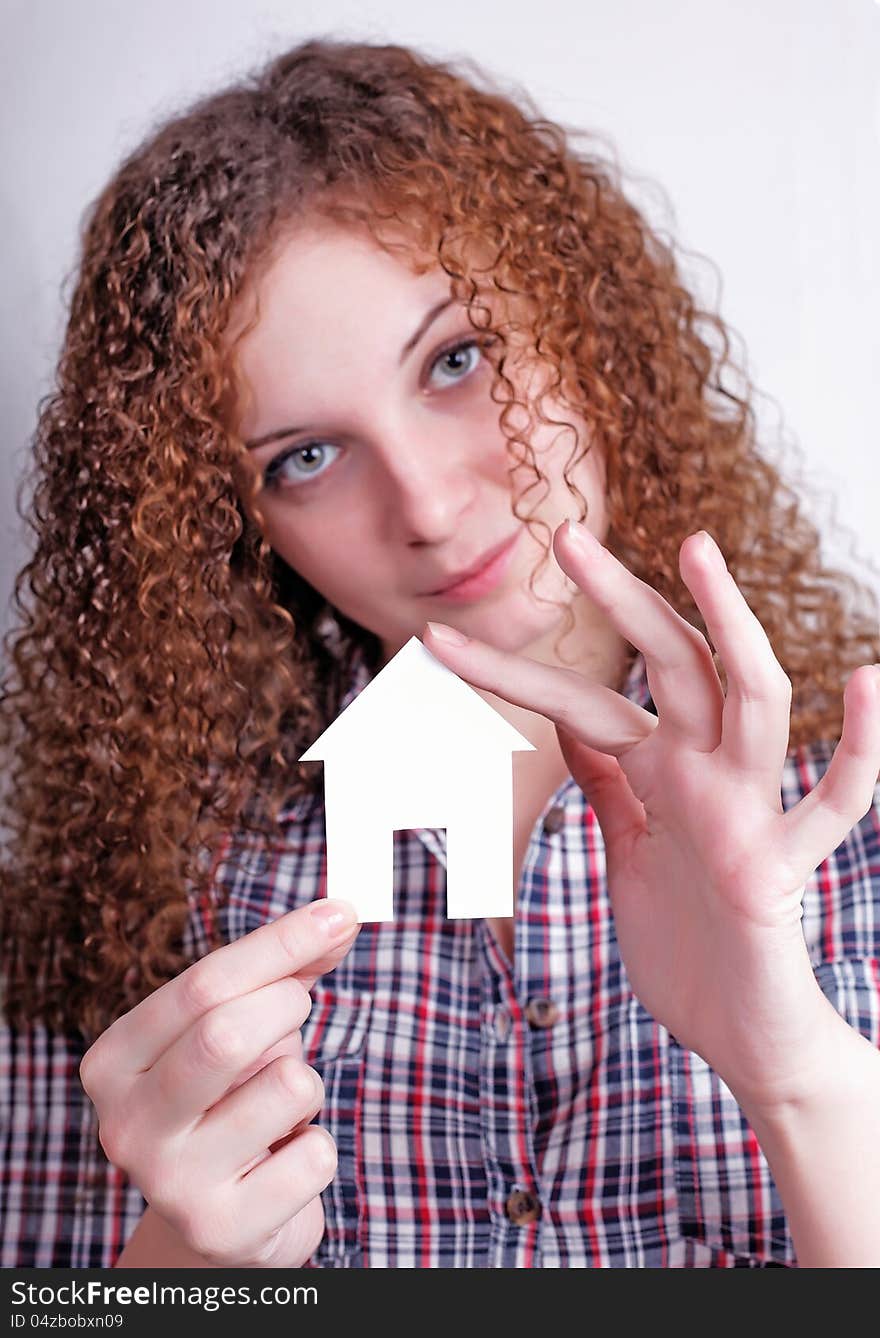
(273,436)
(429,319)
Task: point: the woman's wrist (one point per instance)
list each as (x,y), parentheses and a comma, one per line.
(840,1069)
(155,1244)
(796,1059)
(822,1149)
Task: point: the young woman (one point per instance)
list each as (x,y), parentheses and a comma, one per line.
(352,342)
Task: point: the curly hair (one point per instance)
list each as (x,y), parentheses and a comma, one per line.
(167,668)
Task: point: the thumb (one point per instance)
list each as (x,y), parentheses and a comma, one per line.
(602,780)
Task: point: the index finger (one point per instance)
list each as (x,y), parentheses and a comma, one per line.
(596,715)
(302,943)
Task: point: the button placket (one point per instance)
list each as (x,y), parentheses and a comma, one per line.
(508,1114)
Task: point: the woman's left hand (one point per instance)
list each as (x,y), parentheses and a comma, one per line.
(706,872)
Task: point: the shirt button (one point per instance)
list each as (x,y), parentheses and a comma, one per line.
(522,1207)
(554,820)
(542,1013)
(502,1023)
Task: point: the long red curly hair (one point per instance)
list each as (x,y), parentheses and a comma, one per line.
(167,669)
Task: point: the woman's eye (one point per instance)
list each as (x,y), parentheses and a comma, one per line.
(298,464)
(460,361)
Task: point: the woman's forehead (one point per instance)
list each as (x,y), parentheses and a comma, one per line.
(334,267)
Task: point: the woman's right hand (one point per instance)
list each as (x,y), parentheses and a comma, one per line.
(204,1100)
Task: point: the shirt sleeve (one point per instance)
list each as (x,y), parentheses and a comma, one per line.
(62,1204)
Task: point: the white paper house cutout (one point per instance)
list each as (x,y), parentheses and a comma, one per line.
(419,747)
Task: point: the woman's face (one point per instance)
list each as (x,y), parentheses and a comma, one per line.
(386,471)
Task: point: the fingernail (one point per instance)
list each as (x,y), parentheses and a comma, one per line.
(583,537)
(448,634)
(337,917)
(711,550)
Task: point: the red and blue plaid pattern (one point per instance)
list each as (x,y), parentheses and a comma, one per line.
(446,1095)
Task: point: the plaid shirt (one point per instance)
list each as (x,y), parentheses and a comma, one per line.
(486,1113)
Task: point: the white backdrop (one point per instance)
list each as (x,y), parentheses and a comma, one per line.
(760,119)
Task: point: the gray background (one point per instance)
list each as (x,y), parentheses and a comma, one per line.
(760,119)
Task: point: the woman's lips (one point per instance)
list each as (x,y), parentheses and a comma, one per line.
(484,581)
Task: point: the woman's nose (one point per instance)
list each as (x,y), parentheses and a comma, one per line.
(428,488)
